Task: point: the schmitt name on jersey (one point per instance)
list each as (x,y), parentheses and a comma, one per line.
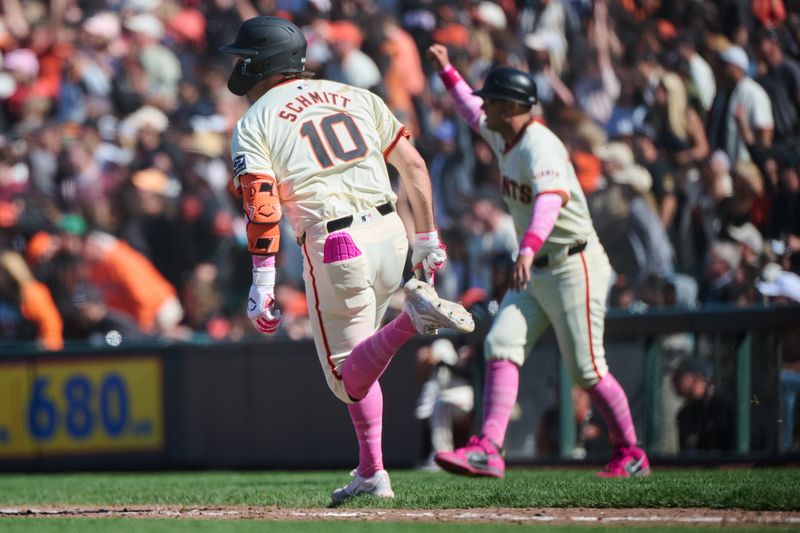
(294,107)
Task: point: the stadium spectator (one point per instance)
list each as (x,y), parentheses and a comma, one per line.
(451,172)
(203,303)
(591,434)
(784,227)
(495,234)
(781,81)
(706,420)
(97,324)
(699,71)
(751,246)
(350,65)
(150,225)
(748,202)
(160,64)
(664,188)
(597,90)
(677,125)
(547,65)
(636,242)
(741,115)
(403,77)
(131,284)
(721,282)
(447,397)
(28,311)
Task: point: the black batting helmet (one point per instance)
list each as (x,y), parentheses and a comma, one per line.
(267,45)
(506,83)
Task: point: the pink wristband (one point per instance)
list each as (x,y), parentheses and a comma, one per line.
(532,242)
(449,76)
(432,235)
(263,261)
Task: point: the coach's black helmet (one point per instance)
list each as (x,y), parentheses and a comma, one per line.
(506,83)
(266,45)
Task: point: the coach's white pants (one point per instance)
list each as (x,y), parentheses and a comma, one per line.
(570,296)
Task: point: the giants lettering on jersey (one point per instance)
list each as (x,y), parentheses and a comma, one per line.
(299,103)
(515,191)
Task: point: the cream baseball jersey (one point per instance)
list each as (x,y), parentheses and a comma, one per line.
(535,163)
(324,143)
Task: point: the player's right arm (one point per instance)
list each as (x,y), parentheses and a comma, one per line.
(416,182)
(428,254)
(468,105)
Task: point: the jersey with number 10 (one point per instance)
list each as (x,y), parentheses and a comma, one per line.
(324,143)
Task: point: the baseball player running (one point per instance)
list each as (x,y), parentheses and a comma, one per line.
(560,277)
(315,151)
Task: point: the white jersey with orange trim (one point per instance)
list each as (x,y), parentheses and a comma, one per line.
(324,143)
(538,162)
(569,291)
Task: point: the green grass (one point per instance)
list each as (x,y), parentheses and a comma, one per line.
(755,489)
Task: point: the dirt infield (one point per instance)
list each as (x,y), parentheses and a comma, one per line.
(512,516)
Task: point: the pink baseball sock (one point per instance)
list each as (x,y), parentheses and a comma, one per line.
(370,357)
(612,402)
(499,397)
(367,417)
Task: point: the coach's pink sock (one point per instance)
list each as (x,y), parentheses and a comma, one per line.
(612,402)
(499,397)
(370,357)
(367,417)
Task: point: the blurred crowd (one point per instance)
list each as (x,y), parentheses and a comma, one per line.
(682,118)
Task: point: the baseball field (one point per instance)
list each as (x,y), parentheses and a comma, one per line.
(749,499)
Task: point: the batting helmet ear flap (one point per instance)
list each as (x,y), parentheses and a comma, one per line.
(242,79)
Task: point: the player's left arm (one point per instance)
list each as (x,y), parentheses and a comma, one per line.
(262,207)
(543,220)
(254,183)
(548,175)
(263,211)
(429,254)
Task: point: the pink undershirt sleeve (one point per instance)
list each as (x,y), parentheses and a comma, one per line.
(467,104)
(545,213)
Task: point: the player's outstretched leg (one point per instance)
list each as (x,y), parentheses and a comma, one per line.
(627,460)
(428,312)
(424,312)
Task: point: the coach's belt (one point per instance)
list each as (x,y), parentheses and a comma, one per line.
(345,222)
(544,261)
